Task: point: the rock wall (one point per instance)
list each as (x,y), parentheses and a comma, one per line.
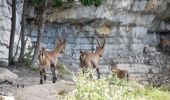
(5,27)
(129,26)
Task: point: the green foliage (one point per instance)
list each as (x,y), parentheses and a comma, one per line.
(35,69)
(112,88)
(96,3)
(27,59)
(62,70)
(38,3)
(57,3)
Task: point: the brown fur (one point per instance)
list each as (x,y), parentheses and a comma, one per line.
(164,43)
(50,59)
(91,60)
(122,74)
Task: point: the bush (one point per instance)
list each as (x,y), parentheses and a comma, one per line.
(62,70)
(111,88)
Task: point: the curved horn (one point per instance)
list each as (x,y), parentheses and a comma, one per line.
(104,42)
(60,37)
(98,42)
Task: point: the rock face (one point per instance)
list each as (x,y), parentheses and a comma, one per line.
(131,28)
(5,27)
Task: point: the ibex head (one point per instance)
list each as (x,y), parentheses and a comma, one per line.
(61,44)
(100,48)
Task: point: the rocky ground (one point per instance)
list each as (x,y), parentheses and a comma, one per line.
(22,83)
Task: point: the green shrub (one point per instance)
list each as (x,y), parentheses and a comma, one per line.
(62,70)
(28,58)
(112,88)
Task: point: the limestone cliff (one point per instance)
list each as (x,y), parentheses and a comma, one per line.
(131,27)
(5,27)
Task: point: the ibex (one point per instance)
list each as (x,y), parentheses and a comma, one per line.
(122,74)
(91,60)
(49,59)
(164,43)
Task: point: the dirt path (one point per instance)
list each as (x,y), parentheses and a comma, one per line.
(44,92)
(27,86)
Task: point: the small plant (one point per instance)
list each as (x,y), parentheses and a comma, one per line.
(62,70)
(112,88)
(27,62)
(28,58)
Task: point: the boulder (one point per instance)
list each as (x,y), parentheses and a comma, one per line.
(7,76)
(6,98)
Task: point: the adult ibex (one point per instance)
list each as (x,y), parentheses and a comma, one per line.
(49,59)
(122,74)
(91,60)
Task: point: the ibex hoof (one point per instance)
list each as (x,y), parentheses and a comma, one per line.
(41,81)
(54,79)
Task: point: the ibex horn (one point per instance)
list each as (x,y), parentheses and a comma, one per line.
(60,37)
(104,42)
(98,42)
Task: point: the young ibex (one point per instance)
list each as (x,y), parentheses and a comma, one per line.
(122,74)
(50,59)
(91,60)
(164,43)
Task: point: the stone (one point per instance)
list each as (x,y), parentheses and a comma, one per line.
(7,98)
(114,32)
(139,5)
(139,32)
(167,27)
(3,52)
(113,40)
(5,27)
(145,20)
(150,49)
(162,25)
(137,48)
(151,39)
(104,69)
(135,68)
(4,63)
(7,75)
(88,28)
(127,24)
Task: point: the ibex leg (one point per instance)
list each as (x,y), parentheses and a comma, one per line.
(41,76)
(127,77)
(44,74)
(53,73)
(97,69)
